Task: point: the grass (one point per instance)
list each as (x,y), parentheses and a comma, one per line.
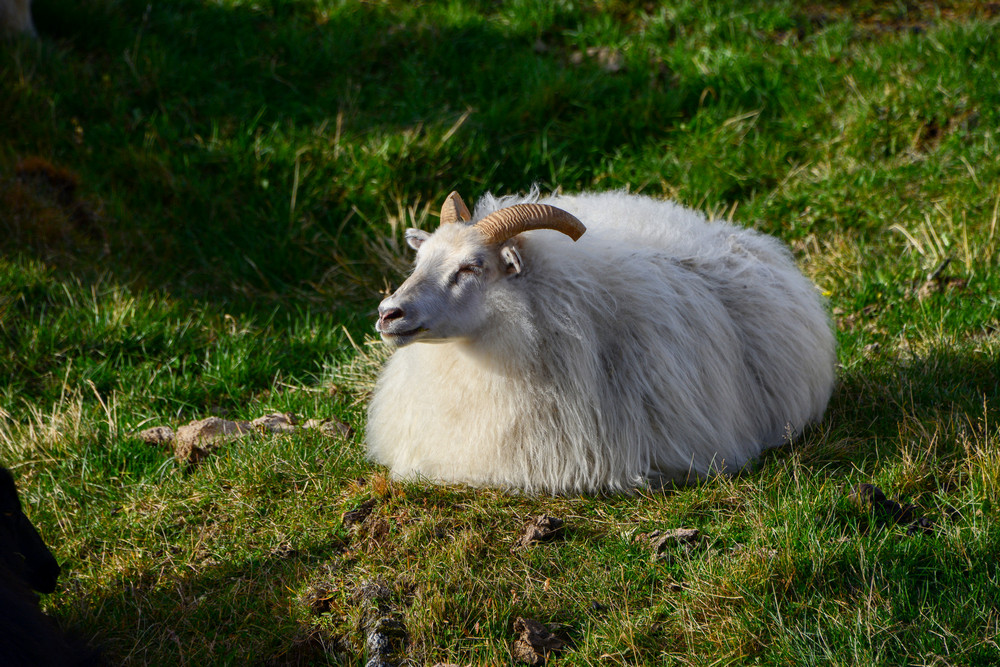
(201,201)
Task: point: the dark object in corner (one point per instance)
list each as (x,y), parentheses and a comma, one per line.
(29,638)
(22,551)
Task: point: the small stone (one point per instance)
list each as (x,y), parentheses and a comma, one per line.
(275,422)
(330,427)
(534,642)
(663,542)
(198,439)
(386,640)
(610,60)
(541,528)
(157,435)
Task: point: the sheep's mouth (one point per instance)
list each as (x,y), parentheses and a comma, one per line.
(400,338)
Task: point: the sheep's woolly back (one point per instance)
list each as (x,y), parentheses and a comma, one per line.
(658,346)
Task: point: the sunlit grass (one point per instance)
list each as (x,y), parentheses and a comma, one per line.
(243,174)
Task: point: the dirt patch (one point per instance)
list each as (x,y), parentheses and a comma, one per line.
(938,282)
(44,213)
(534,642)
(275,422)
(158,435)
(666,544)
(197,440)
(541,528)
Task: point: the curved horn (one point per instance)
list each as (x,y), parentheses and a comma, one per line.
(509,222)
(454,210)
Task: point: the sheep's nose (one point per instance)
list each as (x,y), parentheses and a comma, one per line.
(387,314)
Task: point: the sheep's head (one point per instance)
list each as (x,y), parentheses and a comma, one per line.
(458,265)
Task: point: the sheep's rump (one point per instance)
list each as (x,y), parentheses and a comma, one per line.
(659,345)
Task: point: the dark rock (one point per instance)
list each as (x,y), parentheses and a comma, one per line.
(157,435)
(197,440)
(870,497)
(330,428)
(386,635)
(534,642)
(275,422)
(542,528)
(664,542)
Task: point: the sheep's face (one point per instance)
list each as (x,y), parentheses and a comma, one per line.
(446,295)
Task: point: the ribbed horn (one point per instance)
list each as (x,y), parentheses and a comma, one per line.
(454,209)
(509,222)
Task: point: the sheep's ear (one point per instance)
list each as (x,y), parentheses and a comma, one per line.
(511,258)
(415,237)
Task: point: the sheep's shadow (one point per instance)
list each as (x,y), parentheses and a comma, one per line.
(938,401)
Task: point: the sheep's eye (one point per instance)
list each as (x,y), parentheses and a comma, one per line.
(469,269)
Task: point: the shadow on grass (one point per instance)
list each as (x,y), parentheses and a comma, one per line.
(219,614)
(936,404)
(245,150)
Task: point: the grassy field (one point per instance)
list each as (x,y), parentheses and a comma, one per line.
(201,202)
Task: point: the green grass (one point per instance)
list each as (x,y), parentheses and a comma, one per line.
(243,172)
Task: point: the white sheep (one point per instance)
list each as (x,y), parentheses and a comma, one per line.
(660,347)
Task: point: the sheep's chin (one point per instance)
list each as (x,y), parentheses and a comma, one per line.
(403,338)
